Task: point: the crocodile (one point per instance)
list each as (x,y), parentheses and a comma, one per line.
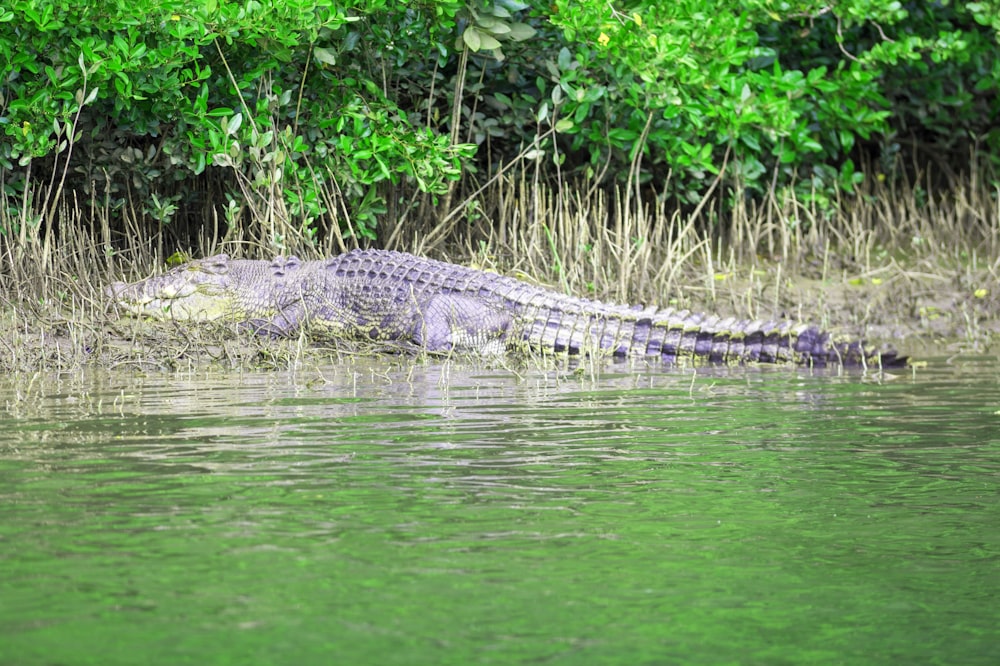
(440,307)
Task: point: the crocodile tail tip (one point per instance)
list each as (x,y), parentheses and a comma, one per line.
(892,359)
(856,353)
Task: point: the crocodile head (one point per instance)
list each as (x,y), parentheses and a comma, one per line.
(201,290)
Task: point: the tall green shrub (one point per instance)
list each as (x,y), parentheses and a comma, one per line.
(781,92)
(298,114)
(111,97)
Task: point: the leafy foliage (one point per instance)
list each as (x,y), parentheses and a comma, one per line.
(305,115)
(785,90)
(159,88)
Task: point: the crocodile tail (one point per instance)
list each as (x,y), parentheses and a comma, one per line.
(708,338)
(684,335)
(817,347)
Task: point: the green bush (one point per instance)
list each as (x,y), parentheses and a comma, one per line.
(116,96)
(298,114)
(781,92)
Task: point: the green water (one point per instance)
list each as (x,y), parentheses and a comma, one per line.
(440,514)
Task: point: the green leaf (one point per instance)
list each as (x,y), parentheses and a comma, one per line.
(846,140)
(514,5)
(472,38)
(565,59)
(488,42)
(543,112)
(231,125)
(521,31)
(325,56)
(493,25)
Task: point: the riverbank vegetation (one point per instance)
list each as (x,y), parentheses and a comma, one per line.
(754,157)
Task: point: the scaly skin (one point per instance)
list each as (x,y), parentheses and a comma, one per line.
(441,307)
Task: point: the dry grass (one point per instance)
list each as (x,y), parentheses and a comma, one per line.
(894,262)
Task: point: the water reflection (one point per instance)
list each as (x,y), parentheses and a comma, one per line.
(437,407)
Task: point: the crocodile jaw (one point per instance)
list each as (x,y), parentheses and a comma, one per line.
(200,305)
(189,295)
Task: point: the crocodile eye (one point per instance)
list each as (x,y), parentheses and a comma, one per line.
(217,265)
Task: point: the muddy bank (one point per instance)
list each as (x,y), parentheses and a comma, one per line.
(919,309)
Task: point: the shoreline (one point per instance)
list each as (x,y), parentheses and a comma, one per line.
(905,306)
